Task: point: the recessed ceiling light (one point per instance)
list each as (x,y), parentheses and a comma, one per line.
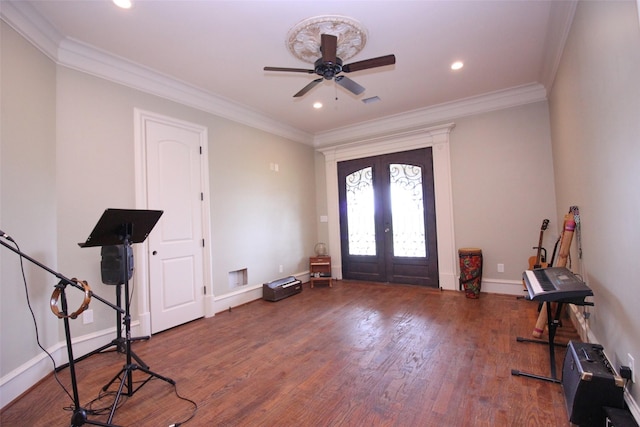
(125,4)
(317,105)
(457,65)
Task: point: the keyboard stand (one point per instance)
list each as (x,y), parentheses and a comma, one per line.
(553,323)
(557,322)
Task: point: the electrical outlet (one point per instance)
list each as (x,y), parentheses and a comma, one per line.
(500,268)
(280,268)
(631,365)
(87,317)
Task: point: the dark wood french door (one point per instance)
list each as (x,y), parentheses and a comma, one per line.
(387,218)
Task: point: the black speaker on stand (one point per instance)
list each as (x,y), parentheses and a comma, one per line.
(113,264)
(122,228)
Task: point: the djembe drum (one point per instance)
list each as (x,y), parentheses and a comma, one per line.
(470,271)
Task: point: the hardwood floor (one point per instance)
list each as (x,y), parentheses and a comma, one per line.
(357,354)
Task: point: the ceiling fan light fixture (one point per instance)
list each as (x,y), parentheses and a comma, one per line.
(303,40)
(318,36)
(457,65)
(317,105)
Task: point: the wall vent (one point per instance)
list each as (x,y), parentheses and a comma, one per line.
(238,278)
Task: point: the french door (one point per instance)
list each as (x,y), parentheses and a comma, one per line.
(387,218)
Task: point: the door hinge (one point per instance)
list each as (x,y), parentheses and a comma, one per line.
(201,197)
(204,290)
(203,243)
(201,149)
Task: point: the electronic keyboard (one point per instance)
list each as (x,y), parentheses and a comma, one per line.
(555,284)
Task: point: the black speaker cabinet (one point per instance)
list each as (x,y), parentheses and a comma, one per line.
(619,418)
(112,265)
(589,383)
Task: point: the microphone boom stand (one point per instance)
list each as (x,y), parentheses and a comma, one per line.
(79,416)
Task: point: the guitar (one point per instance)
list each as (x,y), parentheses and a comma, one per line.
(540,260)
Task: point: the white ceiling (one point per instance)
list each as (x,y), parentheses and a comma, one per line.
(221,47)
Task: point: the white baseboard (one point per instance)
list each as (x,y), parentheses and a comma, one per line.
(233,299)
(21,379)
(507,287)
(25,376)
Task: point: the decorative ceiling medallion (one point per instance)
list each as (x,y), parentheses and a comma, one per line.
(303,40)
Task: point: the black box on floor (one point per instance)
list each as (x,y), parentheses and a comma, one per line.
(616,417)
(281,288)
(589,383)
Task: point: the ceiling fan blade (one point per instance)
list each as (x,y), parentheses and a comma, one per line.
(349,84)
(294,70)
(307,88)
(328,47)
(380,61)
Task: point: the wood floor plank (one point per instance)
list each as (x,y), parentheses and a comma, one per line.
(355,354)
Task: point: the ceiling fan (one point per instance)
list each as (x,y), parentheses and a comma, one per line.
(329,66)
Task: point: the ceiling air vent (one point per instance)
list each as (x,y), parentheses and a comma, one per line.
(371,100)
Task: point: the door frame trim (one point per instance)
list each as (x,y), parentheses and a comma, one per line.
(436,137)
(141,251)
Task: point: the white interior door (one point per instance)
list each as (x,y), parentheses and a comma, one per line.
(174,185)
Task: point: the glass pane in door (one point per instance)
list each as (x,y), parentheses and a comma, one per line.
(360,212)
(407,210)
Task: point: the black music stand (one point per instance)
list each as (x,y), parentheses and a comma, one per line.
(125,227)
(102,232)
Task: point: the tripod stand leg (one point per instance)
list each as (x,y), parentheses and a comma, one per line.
(127,381)
(116,376)
(153,374)
(142,364)
(125,376)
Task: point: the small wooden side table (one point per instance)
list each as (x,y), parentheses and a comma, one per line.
(320,270)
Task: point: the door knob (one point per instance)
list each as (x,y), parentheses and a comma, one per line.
(154,253)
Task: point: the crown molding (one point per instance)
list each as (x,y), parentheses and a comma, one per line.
(561,14)
(417,119)
(75,55)
(24,19)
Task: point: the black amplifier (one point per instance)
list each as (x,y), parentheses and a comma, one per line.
(589,383)
(619,418)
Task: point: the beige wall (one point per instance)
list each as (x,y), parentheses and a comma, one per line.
(27,197)
(502,179)
(595,126)
(262,218)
